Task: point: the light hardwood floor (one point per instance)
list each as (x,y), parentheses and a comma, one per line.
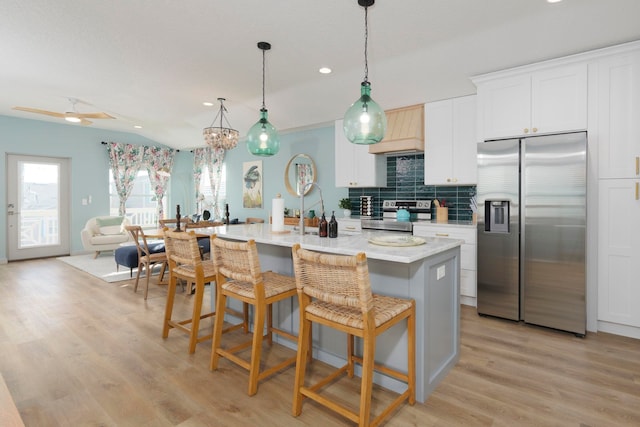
(77,351)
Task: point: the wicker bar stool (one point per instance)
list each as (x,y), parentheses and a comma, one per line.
(185,262)
(335,291)
(239,277)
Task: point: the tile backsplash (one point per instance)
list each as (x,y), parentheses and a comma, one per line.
(405,181)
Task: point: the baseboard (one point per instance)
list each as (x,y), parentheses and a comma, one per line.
(465,300)
(617,329)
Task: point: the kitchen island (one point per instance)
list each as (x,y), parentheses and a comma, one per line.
(429,273)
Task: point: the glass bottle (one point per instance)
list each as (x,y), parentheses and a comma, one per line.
(322,226)
(333,225)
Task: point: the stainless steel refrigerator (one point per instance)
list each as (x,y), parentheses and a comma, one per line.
(532,230)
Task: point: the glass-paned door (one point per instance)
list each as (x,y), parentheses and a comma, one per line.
(37,207)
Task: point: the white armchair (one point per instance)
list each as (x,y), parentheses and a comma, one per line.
(104,233)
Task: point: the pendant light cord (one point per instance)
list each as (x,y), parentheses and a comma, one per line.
(366,37)
(263,106)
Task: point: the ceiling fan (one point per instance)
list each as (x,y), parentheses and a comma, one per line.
(71,116)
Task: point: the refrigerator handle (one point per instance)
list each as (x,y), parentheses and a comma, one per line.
(637,190)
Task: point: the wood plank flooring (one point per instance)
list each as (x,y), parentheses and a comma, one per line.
(77,351)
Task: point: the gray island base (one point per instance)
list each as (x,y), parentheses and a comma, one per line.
(428,273)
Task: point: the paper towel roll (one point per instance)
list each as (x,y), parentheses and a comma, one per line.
(277,214)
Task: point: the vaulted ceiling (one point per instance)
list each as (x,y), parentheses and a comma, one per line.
(153,62)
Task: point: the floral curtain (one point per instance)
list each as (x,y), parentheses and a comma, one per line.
(200,159)
(159,162)
(125,161)
(214,159)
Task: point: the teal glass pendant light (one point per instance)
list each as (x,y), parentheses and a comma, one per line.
(365,122)
(262,138)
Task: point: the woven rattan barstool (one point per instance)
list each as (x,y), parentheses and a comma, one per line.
(185,262)
(239,277)
(335,291)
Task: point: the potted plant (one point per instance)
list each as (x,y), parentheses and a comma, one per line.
(345,204)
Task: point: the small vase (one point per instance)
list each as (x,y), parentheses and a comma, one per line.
(346,213)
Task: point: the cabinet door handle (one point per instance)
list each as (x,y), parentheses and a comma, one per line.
(448,179)
(534,130)
(637,190)
(442,234)
(526,130)
(637,165)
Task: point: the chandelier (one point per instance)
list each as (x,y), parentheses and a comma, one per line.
(219,136)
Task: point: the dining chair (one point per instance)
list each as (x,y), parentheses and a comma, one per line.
(335,291)
(148,256)
(173,222)
(238,276)
(185,262)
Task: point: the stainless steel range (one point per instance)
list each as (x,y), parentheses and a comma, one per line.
(419,210)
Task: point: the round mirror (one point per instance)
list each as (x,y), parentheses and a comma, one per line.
(299,172)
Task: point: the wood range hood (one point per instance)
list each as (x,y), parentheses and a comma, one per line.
(405,131)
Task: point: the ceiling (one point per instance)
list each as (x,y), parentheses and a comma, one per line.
(153,62)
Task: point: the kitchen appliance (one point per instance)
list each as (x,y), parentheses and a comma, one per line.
(419,210)
(532,230)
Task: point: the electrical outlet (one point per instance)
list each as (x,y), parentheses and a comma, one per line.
(440,272)
(84,202)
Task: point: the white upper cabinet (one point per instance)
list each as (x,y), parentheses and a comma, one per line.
(450,142)
(540,102)
(355,167)
(619,116)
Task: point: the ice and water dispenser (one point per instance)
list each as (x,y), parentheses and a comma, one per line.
(496,214)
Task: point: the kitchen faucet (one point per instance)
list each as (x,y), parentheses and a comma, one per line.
(302,192)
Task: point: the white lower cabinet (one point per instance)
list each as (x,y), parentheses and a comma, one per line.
(468,258)
(349,225)
(619,252)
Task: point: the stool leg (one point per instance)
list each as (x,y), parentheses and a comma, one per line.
(411,343)
(195,318)
(350,363)
(270,324)
(171,293)
(369,351)
(221,302)
(256,350)
(304,336)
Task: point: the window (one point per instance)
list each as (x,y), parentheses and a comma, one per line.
(206,191)
(141,204)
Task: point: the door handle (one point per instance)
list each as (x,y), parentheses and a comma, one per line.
(442,234)
(637,165)
(637,190)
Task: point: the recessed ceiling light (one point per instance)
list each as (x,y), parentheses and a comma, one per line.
(137,126)
(207,104)
(554,1)
(325,70)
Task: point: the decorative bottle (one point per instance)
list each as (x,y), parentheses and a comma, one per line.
(322,226)
(333,225)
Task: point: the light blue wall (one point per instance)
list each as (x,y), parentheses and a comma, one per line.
(317,143)
(90,165)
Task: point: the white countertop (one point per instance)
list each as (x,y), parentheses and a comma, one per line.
(344,244)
